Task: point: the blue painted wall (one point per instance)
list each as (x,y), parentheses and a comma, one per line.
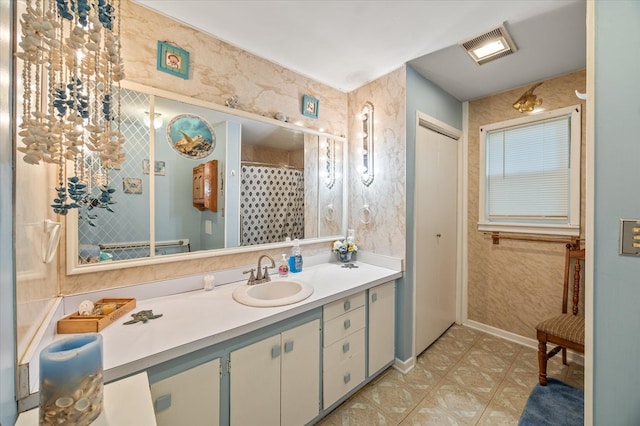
(175,215)
(616,387)
(8,407)
(424,96)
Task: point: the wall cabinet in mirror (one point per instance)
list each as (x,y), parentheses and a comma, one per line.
(207,180)
(205,186)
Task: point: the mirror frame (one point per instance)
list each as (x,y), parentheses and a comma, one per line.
(71,220)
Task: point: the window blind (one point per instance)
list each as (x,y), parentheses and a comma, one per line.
(528,171)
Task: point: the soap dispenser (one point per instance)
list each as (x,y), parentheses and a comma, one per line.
(283,269)
(295,260)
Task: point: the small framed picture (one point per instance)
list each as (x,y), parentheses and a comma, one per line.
(132,185)
(158,169)
(310,106)
(173,60)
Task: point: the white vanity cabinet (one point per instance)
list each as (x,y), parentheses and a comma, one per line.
(189,398)
(276,381)
(381,327)
(343,369)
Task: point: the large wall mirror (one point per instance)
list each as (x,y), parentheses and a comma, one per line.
(203,180)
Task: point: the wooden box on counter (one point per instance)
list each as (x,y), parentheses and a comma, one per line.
(76,323)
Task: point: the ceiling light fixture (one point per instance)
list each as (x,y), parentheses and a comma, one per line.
(157,120)
(489,46)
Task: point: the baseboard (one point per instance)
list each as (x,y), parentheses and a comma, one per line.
(516,338)
(404,366)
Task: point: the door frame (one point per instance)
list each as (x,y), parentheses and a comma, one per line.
(431,123)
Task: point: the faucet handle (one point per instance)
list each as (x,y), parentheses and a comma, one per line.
(252,277)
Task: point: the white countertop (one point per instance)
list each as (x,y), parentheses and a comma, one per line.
(198,319)
(126,402)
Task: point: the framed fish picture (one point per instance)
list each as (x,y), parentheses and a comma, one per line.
(191,136)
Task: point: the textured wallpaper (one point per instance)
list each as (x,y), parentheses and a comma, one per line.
(386,228)
(514,285)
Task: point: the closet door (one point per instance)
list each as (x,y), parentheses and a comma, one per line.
(436,197)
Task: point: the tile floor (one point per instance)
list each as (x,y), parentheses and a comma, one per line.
(466,377)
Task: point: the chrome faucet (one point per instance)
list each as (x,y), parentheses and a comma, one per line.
(262,275)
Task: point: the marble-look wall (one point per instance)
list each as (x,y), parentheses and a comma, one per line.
(515,284)
(276,157)
(217,71)
(385,233)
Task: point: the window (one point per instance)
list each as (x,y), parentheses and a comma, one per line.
(530,174)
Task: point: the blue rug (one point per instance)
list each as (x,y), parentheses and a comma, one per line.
(556,404)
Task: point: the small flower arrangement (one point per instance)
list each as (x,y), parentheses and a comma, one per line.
(344,246)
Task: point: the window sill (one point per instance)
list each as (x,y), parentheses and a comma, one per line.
(536,229)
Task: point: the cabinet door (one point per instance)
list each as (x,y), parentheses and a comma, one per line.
(255,383)
(300,379)
(198,184)
(381,326)
(189,398)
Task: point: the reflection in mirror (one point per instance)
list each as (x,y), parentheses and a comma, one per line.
(122,233)
(221,179)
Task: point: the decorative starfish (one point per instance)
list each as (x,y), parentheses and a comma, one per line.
(143,316)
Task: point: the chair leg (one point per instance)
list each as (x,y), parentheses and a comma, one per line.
(564,356)
(542,362)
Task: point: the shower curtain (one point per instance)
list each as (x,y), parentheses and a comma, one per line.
(271,203)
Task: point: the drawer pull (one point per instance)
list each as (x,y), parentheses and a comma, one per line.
(347,378)
(347,324)
(347,305)
(275,351)
(162,403)
(346,347)
(374,297)
(288,346)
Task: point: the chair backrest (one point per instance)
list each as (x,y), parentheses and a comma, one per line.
(573,276)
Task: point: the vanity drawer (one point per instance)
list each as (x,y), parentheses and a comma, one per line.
(343,325)
(343,378)
(342,350)
(342,306)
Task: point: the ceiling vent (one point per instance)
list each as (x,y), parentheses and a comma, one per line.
(490,46)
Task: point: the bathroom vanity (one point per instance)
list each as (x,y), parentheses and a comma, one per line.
(212,360)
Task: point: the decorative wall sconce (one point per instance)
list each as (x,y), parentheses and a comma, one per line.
(528,101)
(157,120)
(71,101)
(366,169)
(329,172)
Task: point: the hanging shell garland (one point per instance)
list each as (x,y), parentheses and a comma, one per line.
(71,55)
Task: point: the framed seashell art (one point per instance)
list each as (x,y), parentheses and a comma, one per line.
(310,106)
(173,60)
(191,136)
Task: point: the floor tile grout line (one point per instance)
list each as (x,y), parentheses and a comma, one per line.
(504,378)
(443,377)
(434,386)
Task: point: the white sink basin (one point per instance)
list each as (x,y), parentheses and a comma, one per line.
(274,293)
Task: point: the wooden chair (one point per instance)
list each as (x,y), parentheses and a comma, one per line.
(566,330)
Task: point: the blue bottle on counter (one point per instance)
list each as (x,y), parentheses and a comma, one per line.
(295,260)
